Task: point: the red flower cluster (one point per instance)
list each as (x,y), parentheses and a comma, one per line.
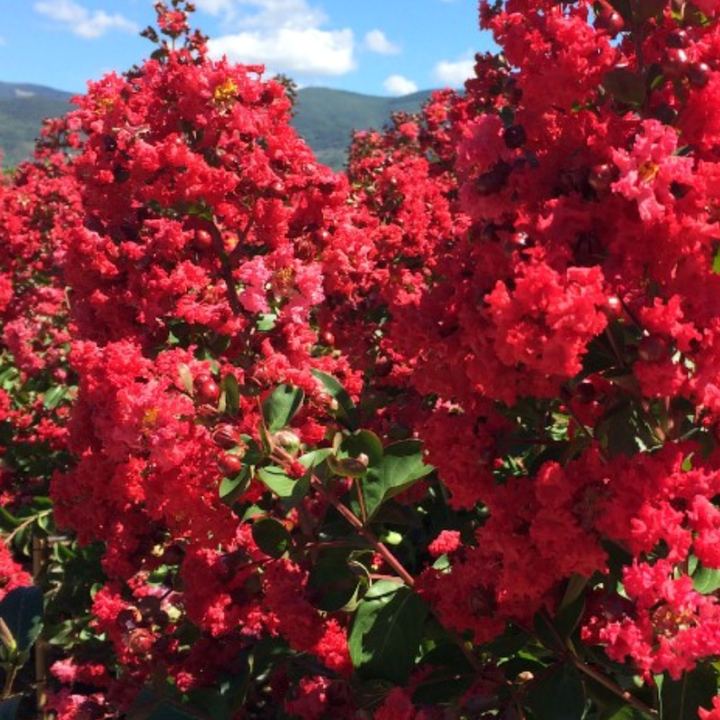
(525,277)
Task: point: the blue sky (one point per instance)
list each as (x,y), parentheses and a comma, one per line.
(379,47)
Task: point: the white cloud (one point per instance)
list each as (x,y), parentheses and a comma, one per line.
(310,50)
(81,21)
(214,7)
(399,85)
(285,35)
(376,41)
(243,14)
(454,73)
(20,93)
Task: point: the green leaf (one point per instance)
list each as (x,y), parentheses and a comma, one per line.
(232,488)
(53,397)
(280,407)
(385,636)
(8,521)
(167,711)
(547,633)
(441,687)
(271,536)
(450,678)
(401,466)
(627,712)
(231,391)
(22,611)
(291,492)
(706,580)
(568,617)
(347,412)
(346,467)
(362,442)
(315,457)
(335,584)
(680,699)
(716,263)
(186,378)
(9,708)
(558,694)
(625,85)
(266,322)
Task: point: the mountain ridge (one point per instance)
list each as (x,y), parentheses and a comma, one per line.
(324,117)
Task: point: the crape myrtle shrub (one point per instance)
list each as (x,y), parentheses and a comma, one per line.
(433,438)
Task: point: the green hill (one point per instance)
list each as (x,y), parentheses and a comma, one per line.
(324,117)
(22,109)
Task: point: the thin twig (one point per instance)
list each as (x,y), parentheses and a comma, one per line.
(9,538)
(614,688)
(381,548)
(39,559)
(225,268)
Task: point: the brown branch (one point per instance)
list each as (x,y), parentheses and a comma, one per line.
(225,268)
(40,561)
(355,521)
(237,250)
(614,688)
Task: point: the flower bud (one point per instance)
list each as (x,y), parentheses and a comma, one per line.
(140,641)
(653,348)
(699,74)
(208,392)
(287,440)
(226,436)
(515,136)
(229,464)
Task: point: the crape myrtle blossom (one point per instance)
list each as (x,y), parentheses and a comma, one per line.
(523,277)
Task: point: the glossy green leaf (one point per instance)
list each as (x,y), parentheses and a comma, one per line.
(271,536)
(401,466)
(54,396)
(266,322)
(362,442)
(627,712)
(346,467)
(231,488)
(706,580)
(22,611)
(347,411)
(558,694)
(186,378)
(290,491)
(280,407)
(8,521)
(451,676)
(231,392)
(386,633)
(334,584)
(315,457)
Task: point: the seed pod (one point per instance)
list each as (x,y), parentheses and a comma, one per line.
(226,436)
(515,136)
(287,440)
(229,464)
(208,392)
(349,467)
